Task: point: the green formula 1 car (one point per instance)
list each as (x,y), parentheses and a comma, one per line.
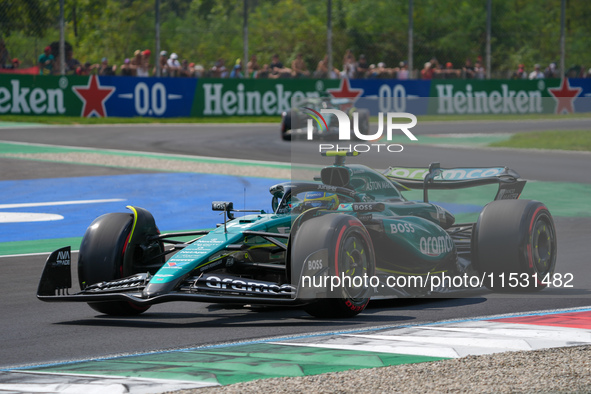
(328,245)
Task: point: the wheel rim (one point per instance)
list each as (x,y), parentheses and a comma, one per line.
(354,263)
(543,245)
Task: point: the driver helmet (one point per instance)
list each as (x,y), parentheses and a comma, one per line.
(320,200)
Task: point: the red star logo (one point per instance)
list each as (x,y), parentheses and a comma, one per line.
(564,97)
(93,96)
(345,91)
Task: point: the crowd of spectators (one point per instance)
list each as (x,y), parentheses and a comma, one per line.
(141,65)
(5,60)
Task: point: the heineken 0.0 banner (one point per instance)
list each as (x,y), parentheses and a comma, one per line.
(87,96)
(96,96)
(271,97)
(538,96)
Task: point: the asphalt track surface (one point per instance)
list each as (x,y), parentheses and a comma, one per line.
(38,333)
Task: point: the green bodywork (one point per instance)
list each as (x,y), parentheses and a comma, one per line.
(408,236)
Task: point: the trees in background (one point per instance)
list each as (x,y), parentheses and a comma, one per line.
(523,31)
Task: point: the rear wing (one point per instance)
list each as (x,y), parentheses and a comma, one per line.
(435,177)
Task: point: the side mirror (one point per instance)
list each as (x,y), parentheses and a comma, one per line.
(226,206)
(222,206)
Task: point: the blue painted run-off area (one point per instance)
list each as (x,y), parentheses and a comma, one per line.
(178,201)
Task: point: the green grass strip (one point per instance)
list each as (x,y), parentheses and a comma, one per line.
(455,140)
(501,117)
(38,246)
(576,140)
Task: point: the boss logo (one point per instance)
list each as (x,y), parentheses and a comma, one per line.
(222,206)
(401,228)
(315,265)
(376,207)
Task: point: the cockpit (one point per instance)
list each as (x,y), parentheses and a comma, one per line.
(298,198)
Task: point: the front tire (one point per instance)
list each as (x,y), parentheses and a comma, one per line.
(515,237)
(350,255)
(364,121)
(101,259)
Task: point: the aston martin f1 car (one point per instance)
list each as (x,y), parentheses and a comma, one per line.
(294,122)
(350,224)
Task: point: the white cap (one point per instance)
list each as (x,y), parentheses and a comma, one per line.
(163,53)
(174,56)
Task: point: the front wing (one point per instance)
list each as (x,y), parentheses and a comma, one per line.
(56,282)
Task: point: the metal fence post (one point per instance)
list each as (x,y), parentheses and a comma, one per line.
(329,36)
(410,43)
(62,40)
(245,38)
(488,35)
(157,10)
(562,39)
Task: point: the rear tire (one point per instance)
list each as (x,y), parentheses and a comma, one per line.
(518,238)
(101,259)
(350,254)
(286,126)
